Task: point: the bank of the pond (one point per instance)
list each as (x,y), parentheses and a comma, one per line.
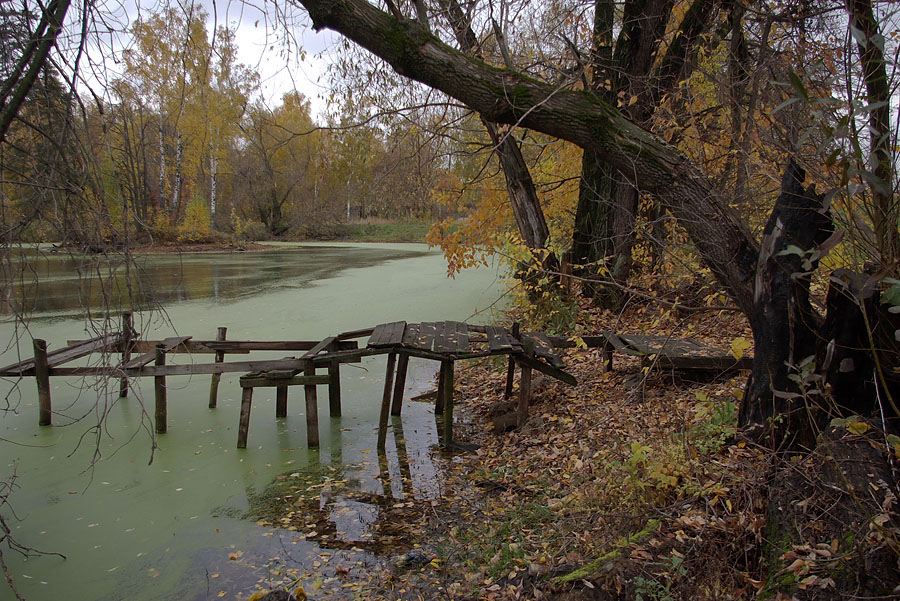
(633,485)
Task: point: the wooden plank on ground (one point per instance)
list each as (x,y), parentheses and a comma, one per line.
(166,345)
(387,334)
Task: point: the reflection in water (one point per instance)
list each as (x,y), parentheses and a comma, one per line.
(38,283)
(329,504)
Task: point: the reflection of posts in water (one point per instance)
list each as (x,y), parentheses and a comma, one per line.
(402,458)
(384,473)
(214,383)
(337,445)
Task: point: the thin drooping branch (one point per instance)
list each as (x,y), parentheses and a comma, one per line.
(47,31)
(580,117)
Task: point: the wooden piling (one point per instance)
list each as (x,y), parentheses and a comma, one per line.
(159,385)
(334,389)
(214,383)
(312,409)
(400,384)
(386,400)
(127,336)
(524,395)
(510,374)
(281,396)
(244,425)
(42,376)
(447,368)
(439,397)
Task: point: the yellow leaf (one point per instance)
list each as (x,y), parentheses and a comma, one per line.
(220,594)
(858,427)
(738,346)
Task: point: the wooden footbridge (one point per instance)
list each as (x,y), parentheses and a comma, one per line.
(445,342)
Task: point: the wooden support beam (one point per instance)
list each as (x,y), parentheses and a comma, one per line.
(510,374)
(321,346)
(281,398)
(400,384)
(551,371)
(439,397)
(42,376)
(334,389)
(221,332)
(244,424)
(166,345)
(159,386)
(127,337)
(386,400)
(524,395)
(267,380)
(64,355)
(447,387)
(312,408)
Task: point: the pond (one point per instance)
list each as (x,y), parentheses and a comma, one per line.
(139,523)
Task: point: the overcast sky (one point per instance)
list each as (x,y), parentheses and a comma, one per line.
(281,46)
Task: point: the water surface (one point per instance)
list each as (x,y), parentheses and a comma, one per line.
(140,530)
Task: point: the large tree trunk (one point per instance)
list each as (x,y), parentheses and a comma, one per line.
(508,97)
(785,327)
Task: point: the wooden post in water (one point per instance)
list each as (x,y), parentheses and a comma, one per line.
(524,395)
(281,396)
(127,335)
(312,409)
(42,376)
(214,383)
(159,384)
(400,384)
(244,425)
(386,401)
(334,385)
(447,368)
(334,389)
(439,397)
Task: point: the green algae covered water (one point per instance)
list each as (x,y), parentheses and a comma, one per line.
(139,523)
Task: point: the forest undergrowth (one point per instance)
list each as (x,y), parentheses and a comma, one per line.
(635,484)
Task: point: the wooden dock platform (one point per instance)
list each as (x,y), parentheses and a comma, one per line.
(443,341)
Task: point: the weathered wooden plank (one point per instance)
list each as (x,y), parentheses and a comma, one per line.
(244,423)
(321,346)
(547,369)
(498,338)
(63,355)
(543,347)
(356,334)
(387,334)
(166,345)
(411,335)
(462,337)
(263,381)
(444,337)
(234,347)
(427,332)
